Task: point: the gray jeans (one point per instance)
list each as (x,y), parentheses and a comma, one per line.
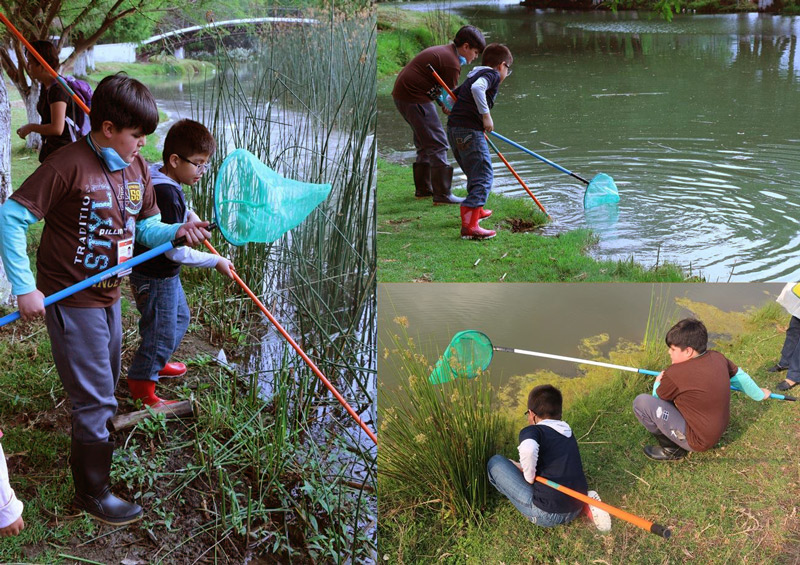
(86,344)
(661,416)
(429,137)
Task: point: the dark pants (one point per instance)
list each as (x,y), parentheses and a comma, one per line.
(429,137)
(661,416)
(164,321)
(472,153)
(86,344)
(790,354)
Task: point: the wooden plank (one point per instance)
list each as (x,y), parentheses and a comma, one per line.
(177,410)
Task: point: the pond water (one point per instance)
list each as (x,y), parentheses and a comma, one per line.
(692,118)
(550,318)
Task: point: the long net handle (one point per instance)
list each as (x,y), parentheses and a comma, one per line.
(44,64)
(576,360)
(300,351)
(496,150)
(651,527)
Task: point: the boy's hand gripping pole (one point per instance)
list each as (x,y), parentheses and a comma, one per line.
(496,150)
(101,276)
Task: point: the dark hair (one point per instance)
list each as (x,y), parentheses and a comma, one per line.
(125,102)
(186,138)
(545,401)
(471,36)
(688,333)
(496,54)
(48,52)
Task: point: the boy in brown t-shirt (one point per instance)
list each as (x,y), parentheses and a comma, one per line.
(690,406)
(433,175)
(96,197)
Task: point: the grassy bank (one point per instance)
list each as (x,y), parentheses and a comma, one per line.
(421,242)
(404,33)
(733,504)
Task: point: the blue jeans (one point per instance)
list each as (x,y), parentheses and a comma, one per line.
(509,480)
(165,319)
(790,354)
(472,153)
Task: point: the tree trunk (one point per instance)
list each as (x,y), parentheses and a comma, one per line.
(5,175)
(34,140)
(79,69)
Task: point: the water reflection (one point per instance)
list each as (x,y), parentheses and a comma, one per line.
(553,318)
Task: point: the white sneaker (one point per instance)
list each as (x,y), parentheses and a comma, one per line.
(599,517)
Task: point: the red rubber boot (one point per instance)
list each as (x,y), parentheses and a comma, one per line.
(172,370)
(146,392)
(469,225)
(485,213)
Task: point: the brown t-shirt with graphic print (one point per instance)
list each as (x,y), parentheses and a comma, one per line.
(701,390)
(90,215)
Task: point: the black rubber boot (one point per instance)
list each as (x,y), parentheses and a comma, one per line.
(91,467)
(422,180)
(666,450)
(442,179)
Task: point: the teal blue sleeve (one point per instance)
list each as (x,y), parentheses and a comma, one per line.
(742,381)
(14,221)
(152,232)
(655,386)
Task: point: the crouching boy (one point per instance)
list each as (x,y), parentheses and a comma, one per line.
(547,447)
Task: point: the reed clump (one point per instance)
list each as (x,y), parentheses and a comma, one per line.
(437,439)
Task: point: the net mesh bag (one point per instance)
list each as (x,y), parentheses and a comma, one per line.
(601,190)
(467,356)
(253,203)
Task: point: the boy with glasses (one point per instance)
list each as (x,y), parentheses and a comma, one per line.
(156,283)
(547,447)
(469,119)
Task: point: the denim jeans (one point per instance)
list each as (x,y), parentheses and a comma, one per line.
(790,354)
(164,321)
(472,153)
(509,480)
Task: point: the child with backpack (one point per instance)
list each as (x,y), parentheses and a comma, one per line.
(62,120)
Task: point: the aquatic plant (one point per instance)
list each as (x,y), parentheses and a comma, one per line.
(306,107)
(437,439)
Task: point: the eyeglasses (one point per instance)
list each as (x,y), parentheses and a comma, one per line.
(508,68)
(202,168)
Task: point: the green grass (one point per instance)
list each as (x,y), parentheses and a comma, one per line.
(733,504)
(158,66)
(421,242)
(404,33)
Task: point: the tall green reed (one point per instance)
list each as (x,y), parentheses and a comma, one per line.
(305,106)
(437,439)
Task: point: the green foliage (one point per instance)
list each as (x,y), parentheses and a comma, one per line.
(404,33)
(436,439)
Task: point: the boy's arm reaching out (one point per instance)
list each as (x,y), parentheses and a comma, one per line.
(742,381)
